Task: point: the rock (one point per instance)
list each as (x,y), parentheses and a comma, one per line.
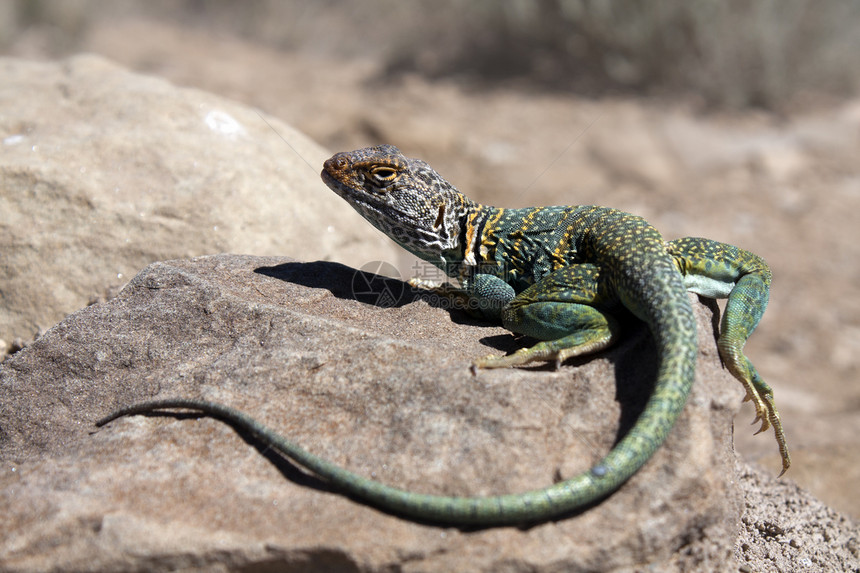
(103,171)
(784,528)
(363,373)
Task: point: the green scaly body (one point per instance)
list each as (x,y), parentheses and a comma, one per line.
(558,274)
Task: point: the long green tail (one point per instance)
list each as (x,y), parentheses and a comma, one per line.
(538,505)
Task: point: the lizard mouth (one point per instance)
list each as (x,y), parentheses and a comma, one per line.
(338,186)
(328,178)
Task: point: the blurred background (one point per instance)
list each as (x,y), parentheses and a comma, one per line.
(735,120)
(770,54)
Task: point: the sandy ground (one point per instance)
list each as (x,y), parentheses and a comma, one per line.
(785,187)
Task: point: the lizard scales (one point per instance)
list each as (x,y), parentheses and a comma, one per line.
(558,274)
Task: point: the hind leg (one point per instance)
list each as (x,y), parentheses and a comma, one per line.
(718,270)
(567,311)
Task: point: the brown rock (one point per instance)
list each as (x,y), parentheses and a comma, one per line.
(382,389)
(103,171)
(784,528)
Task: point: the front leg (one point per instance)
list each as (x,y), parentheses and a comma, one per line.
(718,270)
(482,295)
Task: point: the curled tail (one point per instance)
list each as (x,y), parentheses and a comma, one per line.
(673,326)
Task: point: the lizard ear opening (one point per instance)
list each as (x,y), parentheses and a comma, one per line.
(440,218)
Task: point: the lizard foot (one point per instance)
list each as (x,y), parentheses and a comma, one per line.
(767,414)
(518,358)
(761,395)
(556,351)
(425,284)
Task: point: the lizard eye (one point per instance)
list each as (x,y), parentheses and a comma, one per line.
(383,174)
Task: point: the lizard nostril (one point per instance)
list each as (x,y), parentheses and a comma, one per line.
(336,163)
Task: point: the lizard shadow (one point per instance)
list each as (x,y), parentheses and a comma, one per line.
(288,469)
(367,287)
(298,475)
(633,360)
(345,282)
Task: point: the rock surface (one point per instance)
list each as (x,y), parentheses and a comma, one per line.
(103,171)
(784,528)
(381,388)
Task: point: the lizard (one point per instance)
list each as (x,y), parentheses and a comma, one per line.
(560,275)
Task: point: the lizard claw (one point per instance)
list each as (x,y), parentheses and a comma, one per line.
(424,284)
(761,395)
(518,358)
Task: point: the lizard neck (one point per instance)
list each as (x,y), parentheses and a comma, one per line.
(459,236)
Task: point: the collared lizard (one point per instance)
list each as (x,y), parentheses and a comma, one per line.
(560,275)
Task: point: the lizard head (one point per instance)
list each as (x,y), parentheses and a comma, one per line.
(402,197)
